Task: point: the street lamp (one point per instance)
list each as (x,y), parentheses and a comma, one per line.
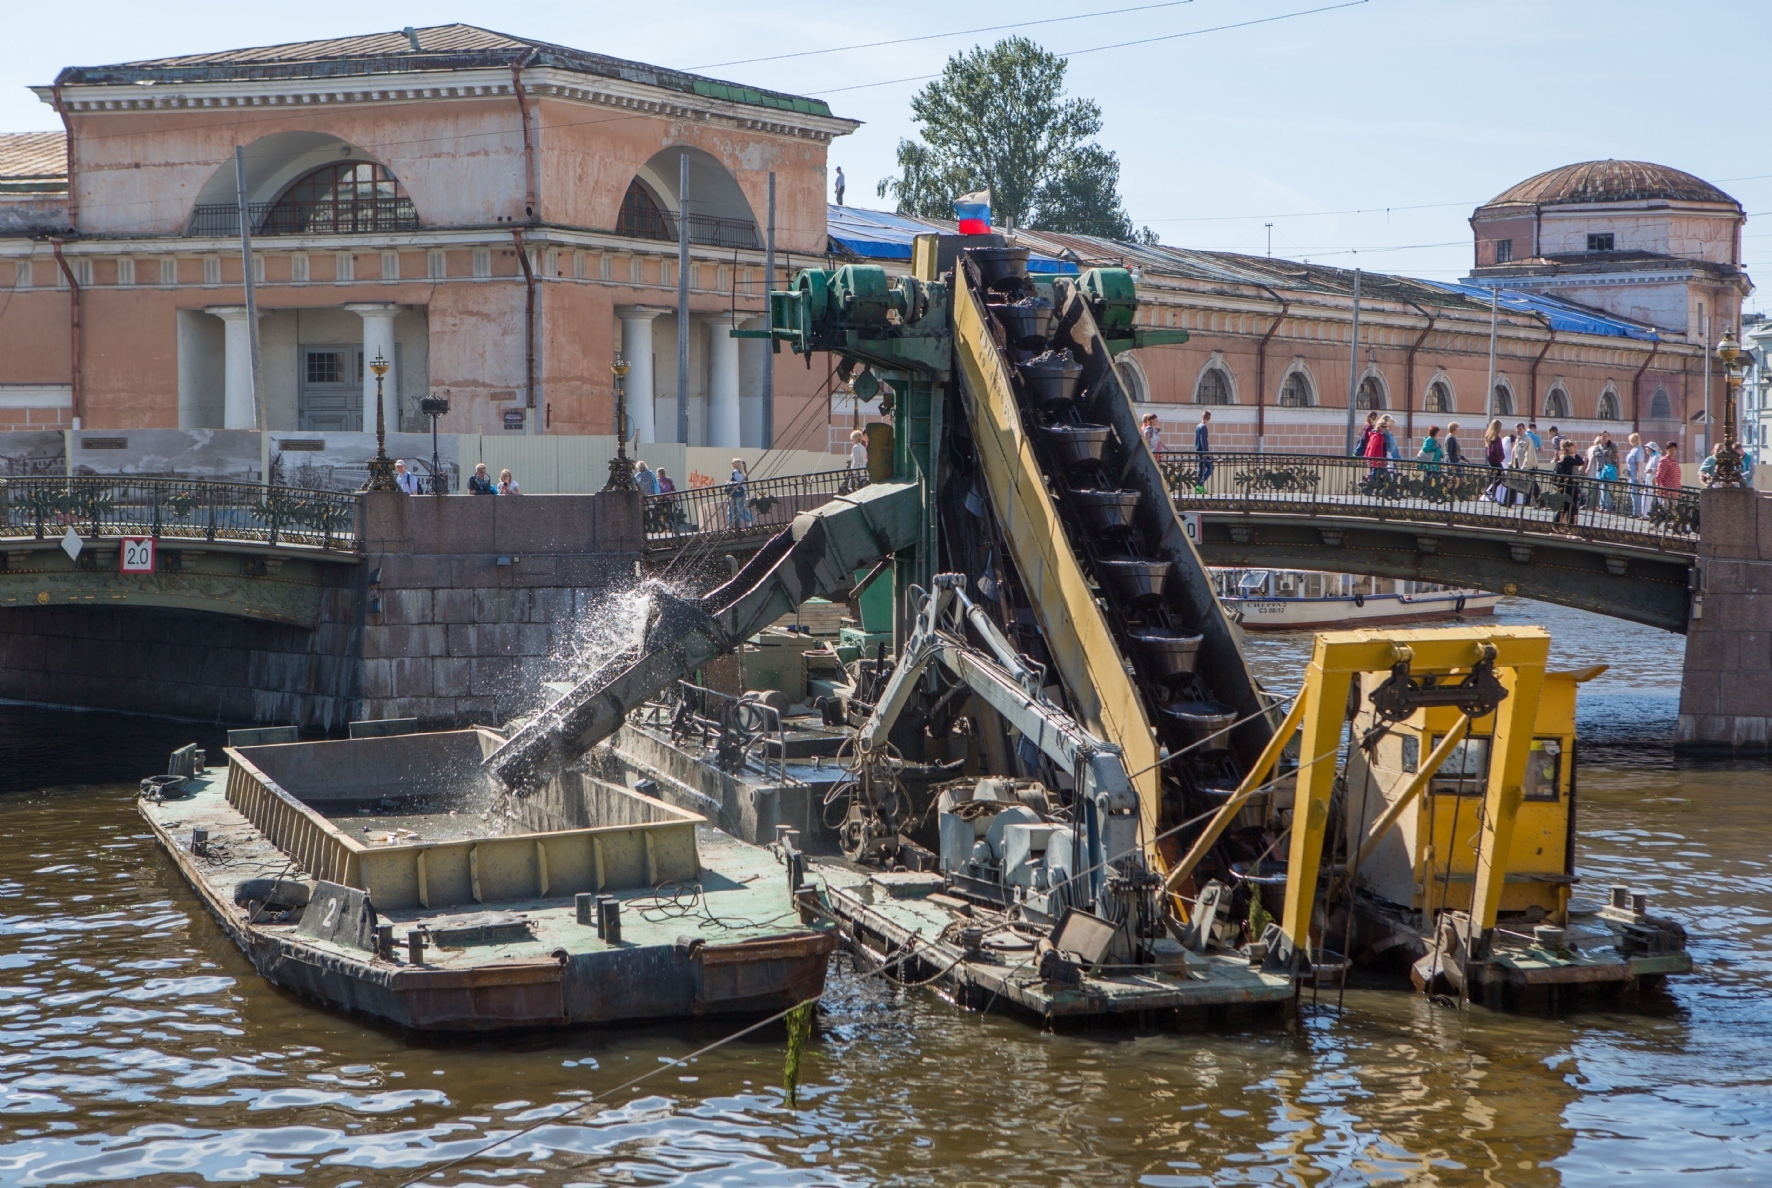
(621,471)
(434,407)
(1728,464)
(381,467)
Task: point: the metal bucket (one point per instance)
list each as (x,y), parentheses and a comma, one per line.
(1108,512)
(1001,267)
(1205,722)
(1253,814)
(1052,380)
(1079,447)
(1139,580)
(1269,880)
(1170,653)
(1028,321)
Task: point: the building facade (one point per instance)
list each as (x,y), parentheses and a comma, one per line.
(494,217)
(497,219)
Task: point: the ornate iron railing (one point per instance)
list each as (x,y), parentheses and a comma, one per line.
(740,511)
(40,508)
(1538,501)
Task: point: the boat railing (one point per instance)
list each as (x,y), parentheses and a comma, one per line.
(1475,495)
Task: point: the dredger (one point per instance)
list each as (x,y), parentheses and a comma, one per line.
(1054,784)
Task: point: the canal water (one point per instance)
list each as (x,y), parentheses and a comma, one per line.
(137,1045)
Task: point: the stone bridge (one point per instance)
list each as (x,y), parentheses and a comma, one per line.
(283,605)
(1598,546)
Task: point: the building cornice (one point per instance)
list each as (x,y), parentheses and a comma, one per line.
(436,86)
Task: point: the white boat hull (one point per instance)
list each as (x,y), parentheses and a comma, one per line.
(1297,614)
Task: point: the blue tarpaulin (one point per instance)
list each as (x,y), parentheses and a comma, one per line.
(883,235)
(1563,316)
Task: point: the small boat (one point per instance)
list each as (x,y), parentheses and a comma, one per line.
(1298,600)
(386,876)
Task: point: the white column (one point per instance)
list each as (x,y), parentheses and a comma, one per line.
(378,339)
(636,348)
(237,404)
(723,411)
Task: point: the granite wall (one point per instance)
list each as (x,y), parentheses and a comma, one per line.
(1726,690)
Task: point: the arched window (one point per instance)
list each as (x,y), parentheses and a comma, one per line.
(1132,378)
(1370,394)
(1556,403)
(1439,398)
(1660,407)
(642,216)
(1296,391)
(1608,410)
(351,196)
(1504,401)
(1214,388)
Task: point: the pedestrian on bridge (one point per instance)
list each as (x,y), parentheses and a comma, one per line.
(1667,472)
(1203,447)
(480,483)
(508,485)
(1454,452)
(740,515)
(1634,472)
(1152,431)
(648,482)
(1432,453)
(1495,457)
(1365,437)
(1522,460)
(1568,465)
(403,478)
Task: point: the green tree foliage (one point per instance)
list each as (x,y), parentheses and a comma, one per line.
(999,118)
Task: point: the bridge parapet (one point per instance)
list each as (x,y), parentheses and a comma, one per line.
(179,509)
(1535,502)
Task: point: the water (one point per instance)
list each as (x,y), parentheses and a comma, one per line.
(136,1044)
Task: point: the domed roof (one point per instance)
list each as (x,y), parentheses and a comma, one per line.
(1610,181)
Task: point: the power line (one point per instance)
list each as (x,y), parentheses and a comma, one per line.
(843,49)
(1096,49)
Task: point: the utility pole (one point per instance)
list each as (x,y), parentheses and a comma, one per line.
(1270,238)
(1489,401)
(246,272)
(1698,454)
(769,346)
(1353,364)
(683,298)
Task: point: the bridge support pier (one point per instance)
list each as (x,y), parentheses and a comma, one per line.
(1726,689)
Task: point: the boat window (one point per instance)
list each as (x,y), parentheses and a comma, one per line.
(1253,582)
(1466,769)
(1411,753)
(1544,769)
(1313,586)
(1288,583)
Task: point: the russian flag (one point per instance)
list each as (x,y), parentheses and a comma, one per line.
(974,213)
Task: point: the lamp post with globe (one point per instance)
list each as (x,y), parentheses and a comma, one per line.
(1728,465)
(381,467)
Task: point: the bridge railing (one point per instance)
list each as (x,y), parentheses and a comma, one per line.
(42,508)
(1538,501)
(738,511)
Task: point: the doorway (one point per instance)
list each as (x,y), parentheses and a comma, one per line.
(330,393)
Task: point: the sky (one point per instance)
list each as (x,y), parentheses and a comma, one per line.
(1364,131)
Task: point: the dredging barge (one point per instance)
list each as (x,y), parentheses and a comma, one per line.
(382,876)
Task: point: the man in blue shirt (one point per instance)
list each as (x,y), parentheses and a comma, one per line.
(1203,447)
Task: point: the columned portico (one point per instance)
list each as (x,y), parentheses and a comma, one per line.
(636,348)
(378,340)
(238,410)
(723,407)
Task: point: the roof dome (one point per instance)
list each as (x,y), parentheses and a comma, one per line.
(1611,181)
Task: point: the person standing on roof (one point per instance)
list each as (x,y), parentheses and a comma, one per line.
(841,185)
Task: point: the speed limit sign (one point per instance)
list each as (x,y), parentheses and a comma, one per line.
(136,554)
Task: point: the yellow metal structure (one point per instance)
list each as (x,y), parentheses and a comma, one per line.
(1082,646)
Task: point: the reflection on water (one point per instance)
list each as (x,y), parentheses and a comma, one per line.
(137,1044)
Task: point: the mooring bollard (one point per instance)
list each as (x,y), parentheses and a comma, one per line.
(609,916)
(415,948)
(586,903)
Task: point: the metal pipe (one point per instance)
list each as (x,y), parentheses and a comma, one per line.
(769,351)
(1261,361)
(530,201)
(1532,372)
(68,137)
(528,330)
(1353,364)
(683,298)
(249,283)
(1489,396)
(75,387)
(1636,390)
(1409,371)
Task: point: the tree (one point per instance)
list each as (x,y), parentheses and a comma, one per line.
(999,118)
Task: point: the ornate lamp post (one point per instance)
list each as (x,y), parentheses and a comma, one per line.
(621,470)
(381,467)
(1728,467)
